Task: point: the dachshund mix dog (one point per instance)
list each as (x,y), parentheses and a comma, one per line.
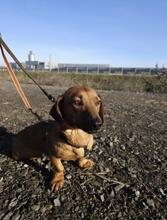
(77,113)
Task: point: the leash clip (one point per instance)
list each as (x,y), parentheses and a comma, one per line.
(51,98)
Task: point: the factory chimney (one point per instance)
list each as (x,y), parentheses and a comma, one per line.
(31,56)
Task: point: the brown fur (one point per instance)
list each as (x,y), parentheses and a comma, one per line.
(76,113)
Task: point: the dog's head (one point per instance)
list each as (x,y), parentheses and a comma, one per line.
(79,107)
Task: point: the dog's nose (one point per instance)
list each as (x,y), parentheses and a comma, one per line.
(97,124)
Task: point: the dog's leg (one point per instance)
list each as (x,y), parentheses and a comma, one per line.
(58,178)
(82,161)
(85,163)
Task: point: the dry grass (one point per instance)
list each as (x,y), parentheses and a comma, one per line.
(155,84)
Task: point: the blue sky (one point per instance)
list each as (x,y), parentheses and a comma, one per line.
(116,32)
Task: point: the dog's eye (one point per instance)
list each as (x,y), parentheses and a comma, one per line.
(77,102)
(98,102)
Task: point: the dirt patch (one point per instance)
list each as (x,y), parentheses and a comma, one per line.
(130,177)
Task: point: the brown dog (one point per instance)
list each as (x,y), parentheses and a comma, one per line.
(77,113)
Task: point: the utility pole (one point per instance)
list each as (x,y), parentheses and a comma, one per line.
(76,69)
(87,69)
(98,67)
(50,63)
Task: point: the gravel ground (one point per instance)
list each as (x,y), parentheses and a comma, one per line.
(129,180)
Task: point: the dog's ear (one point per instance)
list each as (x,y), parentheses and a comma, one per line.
(101,112)
(56,110)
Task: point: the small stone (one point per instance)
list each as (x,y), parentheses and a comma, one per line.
(62,198)
(123,163)
(137,193)
(133,175)
(34,196)
(102,139)
(77,198)
(68,176)
(162,191)
(68,169)
(100,152)
(56,202)
(25,165)
(107,170)
(46,208)
(150,202)
(116,140)
(101,168)
(43,210)
(114,160)
(114,127)
(39,160)
(102,197)
(13,203)
(49,207)
(132,138)
(76,209)
(111,144)
(35,207)
(112,193)
(119,215)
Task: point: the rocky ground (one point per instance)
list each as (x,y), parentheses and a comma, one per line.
(129,180)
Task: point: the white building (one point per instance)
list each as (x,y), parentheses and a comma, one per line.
(31,56)
(33,64)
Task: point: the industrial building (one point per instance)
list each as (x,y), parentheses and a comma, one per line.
(70,67)
(33,65)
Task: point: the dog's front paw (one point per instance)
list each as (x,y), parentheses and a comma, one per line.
(85,163)
(90,143)
(57,181)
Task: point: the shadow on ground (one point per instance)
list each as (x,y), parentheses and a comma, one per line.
(5,149)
